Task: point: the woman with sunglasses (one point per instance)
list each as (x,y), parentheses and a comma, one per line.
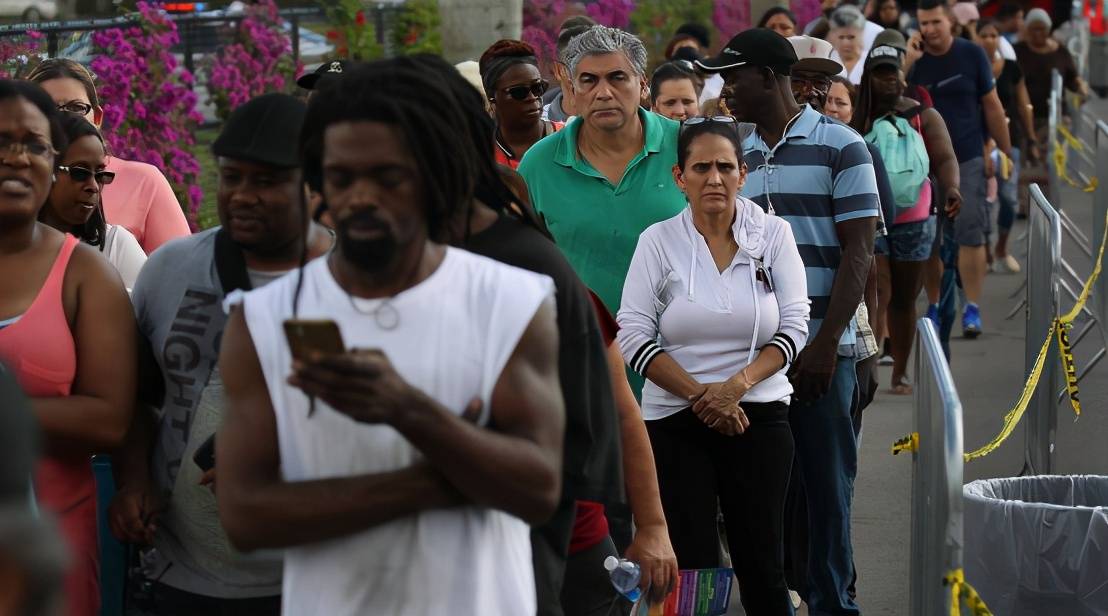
(67,332)
(714,308)
(514,87)
(140,198)
(76,206)
(675,90)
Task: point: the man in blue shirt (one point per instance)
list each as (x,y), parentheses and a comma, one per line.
(960,80)
(817,174)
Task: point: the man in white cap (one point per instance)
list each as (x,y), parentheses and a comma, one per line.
(811,83)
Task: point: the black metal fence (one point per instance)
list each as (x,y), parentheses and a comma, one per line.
(199,32)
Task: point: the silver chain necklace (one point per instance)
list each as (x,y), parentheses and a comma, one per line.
(385,315)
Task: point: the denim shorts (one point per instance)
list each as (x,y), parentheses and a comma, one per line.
(912,241)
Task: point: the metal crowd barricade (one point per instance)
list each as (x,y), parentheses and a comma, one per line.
(1100,212)
(1055,108)
(1044,256)
(1079,160)
(936,478)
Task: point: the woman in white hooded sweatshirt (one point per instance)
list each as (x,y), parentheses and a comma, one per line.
(715,307)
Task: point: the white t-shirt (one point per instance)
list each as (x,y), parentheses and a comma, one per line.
(125,254)
(453,333)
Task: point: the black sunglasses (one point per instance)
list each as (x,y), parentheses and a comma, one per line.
(520,93)
(80,174)
(76,107)
(726,120)
(684,65)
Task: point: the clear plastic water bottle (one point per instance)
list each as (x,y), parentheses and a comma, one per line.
(625,577)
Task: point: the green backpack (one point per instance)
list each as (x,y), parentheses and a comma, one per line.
(905,156)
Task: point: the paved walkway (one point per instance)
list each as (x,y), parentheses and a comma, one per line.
(989,375)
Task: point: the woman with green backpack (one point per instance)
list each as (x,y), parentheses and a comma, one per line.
(916,148)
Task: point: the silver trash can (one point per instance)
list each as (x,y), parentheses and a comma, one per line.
(1038,546)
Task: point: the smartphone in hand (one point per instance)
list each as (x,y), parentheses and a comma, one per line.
(308,336)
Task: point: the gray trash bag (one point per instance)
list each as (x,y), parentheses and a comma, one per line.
(1038,546)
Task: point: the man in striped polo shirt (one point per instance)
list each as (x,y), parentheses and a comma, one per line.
(817,174)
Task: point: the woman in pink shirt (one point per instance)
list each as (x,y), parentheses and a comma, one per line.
(140,199)
(67,333)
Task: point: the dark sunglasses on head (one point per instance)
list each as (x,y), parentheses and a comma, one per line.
(77,107)
(726,120)
(80,174)
(520,93)
(684,65)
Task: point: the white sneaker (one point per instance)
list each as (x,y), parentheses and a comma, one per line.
(1006,265)
(795,596)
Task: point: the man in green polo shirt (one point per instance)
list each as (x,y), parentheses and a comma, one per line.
(608,175)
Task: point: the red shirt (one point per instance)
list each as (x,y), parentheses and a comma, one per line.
(504,154)
(591,526)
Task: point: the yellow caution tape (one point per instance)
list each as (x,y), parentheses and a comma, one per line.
(1086,290)
(908,443)
(1060,164)
(1013,417)
(1059,329)
(1074,142)
(961,592)
(1069,366)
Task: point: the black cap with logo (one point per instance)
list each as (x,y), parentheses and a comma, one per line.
(754,47)
(309,81)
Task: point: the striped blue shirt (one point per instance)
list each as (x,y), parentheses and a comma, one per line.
(819,174)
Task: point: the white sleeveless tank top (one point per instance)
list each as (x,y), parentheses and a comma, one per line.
(456,331)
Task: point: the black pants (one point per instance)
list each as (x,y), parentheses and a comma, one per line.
(549,550)
(745,476)
(588,590)
(169,601)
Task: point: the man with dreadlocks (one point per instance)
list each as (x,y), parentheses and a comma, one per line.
(436,438)
(601,410)
(179,303)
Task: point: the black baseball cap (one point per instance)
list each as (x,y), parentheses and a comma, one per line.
(754,47)
(884,55)
(265,130)
(308,81)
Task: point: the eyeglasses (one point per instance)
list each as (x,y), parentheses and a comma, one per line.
(821,84)
(81,174)
(34,148)
(727,120)
(80,108)
(520,93)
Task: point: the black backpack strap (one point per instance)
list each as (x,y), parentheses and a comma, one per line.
(230,265)
(911,113)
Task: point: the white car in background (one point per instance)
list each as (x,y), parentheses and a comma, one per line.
(29,10)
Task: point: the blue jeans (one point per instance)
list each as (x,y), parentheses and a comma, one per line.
(827,454)
(1008,196)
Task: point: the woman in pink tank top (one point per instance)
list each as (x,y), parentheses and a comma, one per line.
(67,333)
